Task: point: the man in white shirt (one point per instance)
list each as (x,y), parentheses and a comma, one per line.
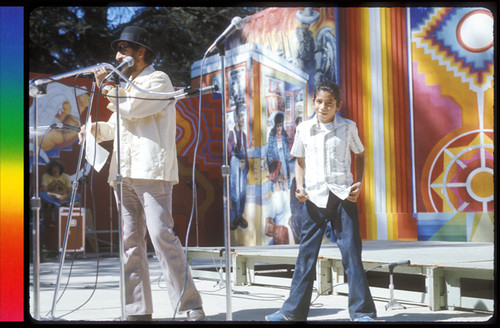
(148,165)
(323,148)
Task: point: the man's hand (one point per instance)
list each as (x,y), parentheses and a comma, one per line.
(355,191)
(100,73)
(301,195)
(83,132)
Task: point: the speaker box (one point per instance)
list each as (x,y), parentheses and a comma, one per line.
(76,232)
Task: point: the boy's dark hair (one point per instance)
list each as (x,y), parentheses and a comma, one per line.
(55,163)
(331,87)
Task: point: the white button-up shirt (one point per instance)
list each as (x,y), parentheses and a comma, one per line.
(147,130)
(327,151)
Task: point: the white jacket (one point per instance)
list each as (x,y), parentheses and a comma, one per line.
(147,130)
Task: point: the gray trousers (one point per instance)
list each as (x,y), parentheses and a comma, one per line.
(147,204)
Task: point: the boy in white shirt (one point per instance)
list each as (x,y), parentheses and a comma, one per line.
(323,145)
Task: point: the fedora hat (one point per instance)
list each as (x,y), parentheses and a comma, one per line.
(134,34)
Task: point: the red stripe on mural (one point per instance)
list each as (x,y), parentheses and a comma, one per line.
(351,82)
(406,226)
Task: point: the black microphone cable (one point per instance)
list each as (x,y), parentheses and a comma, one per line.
(194,193)
(237,22)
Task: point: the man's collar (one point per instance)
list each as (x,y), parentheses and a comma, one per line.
(146,71)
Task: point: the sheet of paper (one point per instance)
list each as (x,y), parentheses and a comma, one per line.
(95,154)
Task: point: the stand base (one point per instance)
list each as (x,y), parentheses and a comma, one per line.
(394,305)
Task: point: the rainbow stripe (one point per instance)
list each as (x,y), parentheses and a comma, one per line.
(11,165)
(374,80)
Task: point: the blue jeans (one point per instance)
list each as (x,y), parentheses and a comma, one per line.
(343,215)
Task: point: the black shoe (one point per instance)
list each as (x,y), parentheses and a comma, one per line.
(243,223)
(235,223)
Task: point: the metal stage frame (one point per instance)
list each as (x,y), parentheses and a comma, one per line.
(443,266)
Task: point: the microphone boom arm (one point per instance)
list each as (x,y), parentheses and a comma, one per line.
(37,86)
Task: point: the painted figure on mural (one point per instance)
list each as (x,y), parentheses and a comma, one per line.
(57,106)
(59,109)
(278,162)
(236,87)
(278,149)
(295,205)
(326,56)
(305,39)
(238,161)
(305,44)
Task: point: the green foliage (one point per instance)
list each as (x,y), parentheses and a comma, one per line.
(62,39)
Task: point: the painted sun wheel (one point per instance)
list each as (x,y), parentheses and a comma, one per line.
(460,177)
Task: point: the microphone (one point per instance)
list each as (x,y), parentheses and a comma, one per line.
(191,92)
(64,126)
(127,62)
(236,23)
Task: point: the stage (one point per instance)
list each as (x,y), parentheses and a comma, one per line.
(445,281)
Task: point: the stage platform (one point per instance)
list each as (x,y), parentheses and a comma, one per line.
(439,274)
(444,281)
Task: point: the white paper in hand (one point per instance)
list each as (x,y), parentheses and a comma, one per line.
(95,154)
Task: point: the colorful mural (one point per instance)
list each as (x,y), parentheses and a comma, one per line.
(418,83)
(452,59)
(272,66)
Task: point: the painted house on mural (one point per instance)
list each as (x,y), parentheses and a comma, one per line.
(417,81)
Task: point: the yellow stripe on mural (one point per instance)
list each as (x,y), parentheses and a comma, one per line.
(386,91)
(369,185)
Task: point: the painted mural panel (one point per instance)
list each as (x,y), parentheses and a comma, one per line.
(62,104)
(272,66)
(303,36)
(452,59)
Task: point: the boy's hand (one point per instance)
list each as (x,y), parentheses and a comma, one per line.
(355,191)
(301,194)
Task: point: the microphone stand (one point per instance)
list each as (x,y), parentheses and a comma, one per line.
(70,212)
(119,196)
(35,206)
(225,177)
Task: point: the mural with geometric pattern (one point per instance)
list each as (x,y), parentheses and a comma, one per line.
(452,80)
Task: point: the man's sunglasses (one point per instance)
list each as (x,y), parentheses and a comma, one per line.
(122,48)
